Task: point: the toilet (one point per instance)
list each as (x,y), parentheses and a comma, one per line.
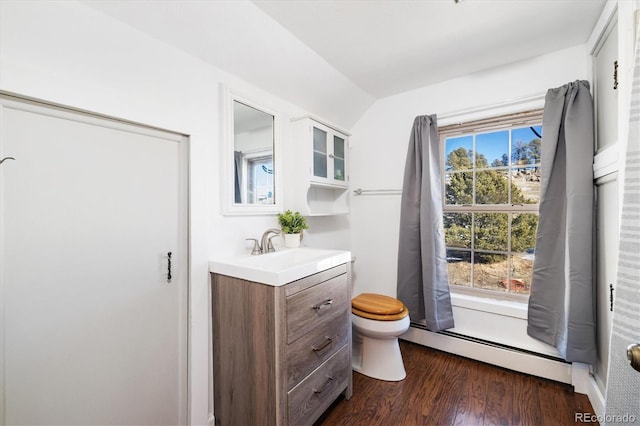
(377,322)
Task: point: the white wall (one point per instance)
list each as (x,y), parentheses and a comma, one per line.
(379,146)
(74,55)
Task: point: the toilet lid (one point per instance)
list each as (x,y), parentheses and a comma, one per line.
(392,317)
(377,304)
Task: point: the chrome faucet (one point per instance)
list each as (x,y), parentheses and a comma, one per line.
(266,246)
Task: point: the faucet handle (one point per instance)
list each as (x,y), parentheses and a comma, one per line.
(256,247)
(270,247)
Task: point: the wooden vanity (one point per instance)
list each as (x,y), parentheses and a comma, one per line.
(281,354)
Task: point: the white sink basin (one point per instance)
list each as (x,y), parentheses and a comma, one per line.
(280,267)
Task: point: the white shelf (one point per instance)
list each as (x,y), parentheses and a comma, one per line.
(325,201)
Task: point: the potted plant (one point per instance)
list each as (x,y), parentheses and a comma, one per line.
(292,225)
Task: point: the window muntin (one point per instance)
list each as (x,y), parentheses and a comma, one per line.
(491,195)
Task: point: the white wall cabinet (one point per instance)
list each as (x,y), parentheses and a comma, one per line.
(319,178)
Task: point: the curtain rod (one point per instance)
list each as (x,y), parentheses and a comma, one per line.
(361,191)
(538,97)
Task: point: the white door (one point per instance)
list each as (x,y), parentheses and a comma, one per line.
(622,403)
(93,331)
(607,192)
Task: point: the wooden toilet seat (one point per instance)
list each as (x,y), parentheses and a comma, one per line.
(378,307)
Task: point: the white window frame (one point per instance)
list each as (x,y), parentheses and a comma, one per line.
(497,123)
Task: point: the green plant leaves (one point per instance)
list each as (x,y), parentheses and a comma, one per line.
(292,223)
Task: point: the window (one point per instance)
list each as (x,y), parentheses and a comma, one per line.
(256,169)
(491,197)
(260,188)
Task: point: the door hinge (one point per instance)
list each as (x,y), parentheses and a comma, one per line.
(611,297)
(615,75)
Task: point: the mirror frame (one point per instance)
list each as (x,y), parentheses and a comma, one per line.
(229,206)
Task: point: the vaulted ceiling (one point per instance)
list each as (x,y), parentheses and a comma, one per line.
(336,57)
(387,47)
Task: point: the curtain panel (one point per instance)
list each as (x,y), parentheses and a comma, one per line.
(237,176)
(423,284)
(561,304)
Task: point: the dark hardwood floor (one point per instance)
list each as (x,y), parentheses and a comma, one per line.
(444,389)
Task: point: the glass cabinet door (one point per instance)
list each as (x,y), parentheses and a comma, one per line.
(319,153)
(338,158)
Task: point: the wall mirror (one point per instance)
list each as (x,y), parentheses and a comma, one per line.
(252,157)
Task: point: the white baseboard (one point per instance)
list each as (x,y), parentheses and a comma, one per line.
(596,398)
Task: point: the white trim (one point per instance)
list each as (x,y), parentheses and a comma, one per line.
(605,161)
(595,396)
(184,214)
(229,206)
(580,377)
(80,116)
(602,27)
(510,359)
(484,303)
(509,106)
(323,122)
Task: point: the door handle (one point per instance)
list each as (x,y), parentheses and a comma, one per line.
(633,354)
(169,266)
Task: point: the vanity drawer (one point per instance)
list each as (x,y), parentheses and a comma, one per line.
(307,309)
(311,350)
(308,400)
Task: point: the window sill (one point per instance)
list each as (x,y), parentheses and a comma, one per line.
(494,305)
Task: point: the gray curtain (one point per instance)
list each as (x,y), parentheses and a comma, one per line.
(237,177)
(561,303)
(422,261)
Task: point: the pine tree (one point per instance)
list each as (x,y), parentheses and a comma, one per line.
(491,187)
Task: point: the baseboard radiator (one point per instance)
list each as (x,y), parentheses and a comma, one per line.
(501,355)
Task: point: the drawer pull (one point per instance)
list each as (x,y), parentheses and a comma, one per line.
(319,306)
(326,384)
(326,343)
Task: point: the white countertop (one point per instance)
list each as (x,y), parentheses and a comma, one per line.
(280,267)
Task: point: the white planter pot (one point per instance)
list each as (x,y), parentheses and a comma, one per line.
(292,240)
